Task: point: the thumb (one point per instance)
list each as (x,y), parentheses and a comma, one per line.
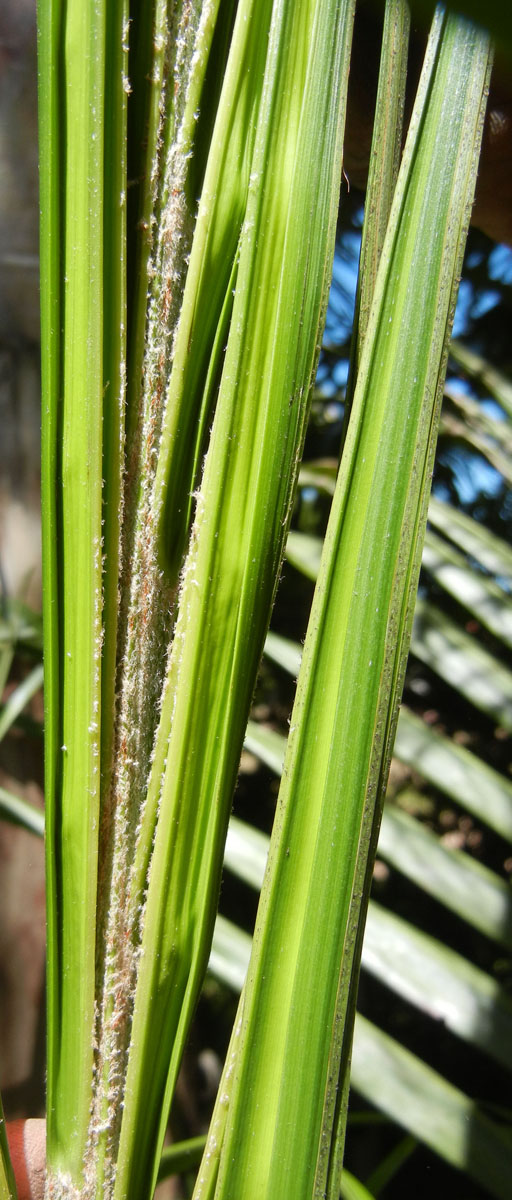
(27,1148)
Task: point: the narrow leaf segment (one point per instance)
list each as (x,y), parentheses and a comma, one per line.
(260,384)
(281,1081)
(174,419)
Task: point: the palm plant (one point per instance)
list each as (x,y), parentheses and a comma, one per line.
(179,348)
